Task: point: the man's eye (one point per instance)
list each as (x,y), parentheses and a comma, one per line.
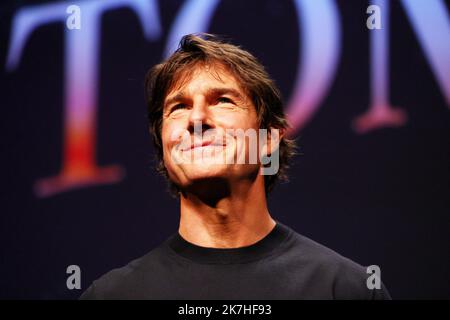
(224,100)
(178,106)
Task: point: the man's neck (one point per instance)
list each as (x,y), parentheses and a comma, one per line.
(239,219)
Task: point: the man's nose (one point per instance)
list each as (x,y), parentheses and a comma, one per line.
(199,114)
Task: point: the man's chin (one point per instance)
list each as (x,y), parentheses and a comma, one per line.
(205,171)
(208,186)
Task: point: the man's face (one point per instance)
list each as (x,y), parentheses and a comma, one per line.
(198,116)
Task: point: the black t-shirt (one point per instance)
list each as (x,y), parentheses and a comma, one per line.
(282,265)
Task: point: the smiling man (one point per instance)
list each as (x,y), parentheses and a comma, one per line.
(219,130)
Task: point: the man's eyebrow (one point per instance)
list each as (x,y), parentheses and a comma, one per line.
(222,91)
(180,96)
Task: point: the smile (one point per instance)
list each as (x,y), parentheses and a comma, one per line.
(204,144)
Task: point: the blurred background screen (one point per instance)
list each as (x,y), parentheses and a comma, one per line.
(367,90)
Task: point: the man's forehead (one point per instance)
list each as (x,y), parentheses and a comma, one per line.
(205,77)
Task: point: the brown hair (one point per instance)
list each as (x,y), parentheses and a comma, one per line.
(253,78)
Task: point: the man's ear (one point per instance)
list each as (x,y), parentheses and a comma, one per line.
(270,152)
(274,136)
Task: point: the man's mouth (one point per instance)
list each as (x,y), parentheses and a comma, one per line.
(202,144)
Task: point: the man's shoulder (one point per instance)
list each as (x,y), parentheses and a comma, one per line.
(127,278)
(346,278)
(310,251)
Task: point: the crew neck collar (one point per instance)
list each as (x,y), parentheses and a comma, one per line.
(253,252)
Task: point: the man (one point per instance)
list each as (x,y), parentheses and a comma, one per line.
(211,105)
